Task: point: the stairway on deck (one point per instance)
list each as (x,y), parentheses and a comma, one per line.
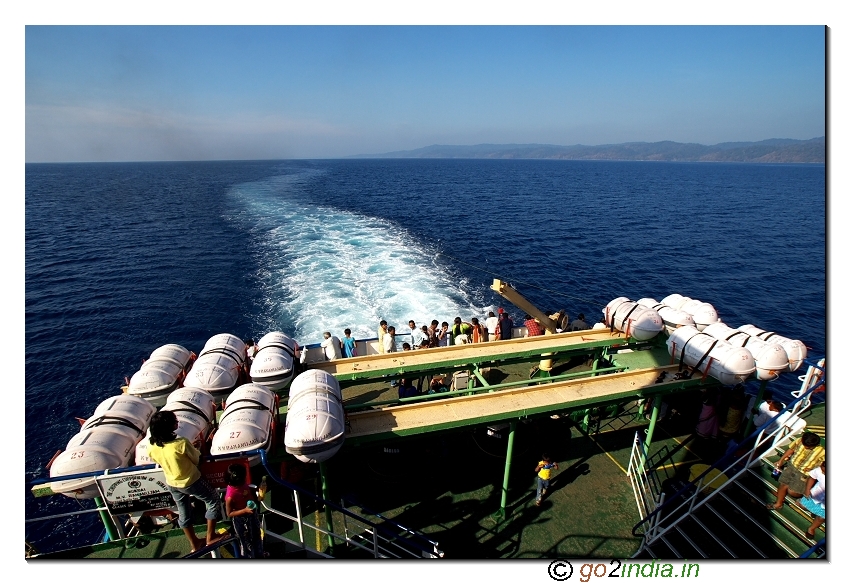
(736,524)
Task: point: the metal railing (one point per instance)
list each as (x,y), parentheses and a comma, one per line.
(666,514)
(395,546)
(384,539)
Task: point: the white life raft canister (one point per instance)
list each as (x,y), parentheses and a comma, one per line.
(770,359)
(671,317)
(273,363)
(637,321)
(703,313)
(195,413)
(315,418)
(160,374)
(176,354)
(795,349)
(246,423)
(106,440)
(728,364)
(675,301)
(219,366)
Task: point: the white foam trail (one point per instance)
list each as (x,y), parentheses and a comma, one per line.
(329,269)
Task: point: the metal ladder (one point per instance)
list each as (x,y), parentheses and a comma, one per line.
(721,513)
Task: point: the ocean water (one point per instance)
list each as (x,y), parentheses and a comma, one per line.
(122,258)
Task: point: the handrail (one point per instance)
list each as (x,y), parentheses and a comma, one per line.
(814,548)
(353,502)
(210,548)
(729,457)
(421,547)
(107,472)
(333,506)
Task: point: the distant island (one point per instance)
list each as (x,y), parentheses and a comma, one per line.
(775,151)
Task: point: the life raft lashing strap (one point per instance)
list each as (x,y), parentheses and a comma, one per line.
(107,420)
(192,408)
(685,345)
(625,319)
(707,352)
(256,402)
(286,349)
(225,351)
(765,335)
(316,390)
(735,333)
(232,407)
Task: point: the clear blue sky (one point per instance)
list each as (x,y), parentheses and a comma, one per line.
(108,93)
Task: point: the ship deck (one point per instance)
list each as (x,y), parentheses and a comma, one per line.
(437,465)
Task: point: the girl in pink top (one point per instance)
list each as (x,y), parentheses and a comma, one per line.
(240,505)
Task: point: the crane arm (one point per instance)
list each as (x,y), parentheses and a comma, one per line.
(514,297)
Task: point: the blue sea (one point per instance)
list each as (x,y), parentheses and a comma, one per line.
(122,258)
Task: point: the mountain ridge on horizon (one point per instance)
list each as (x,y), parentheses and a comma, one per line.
(773,150)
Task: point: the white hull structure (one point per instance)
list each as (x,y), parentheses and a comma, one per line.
(106,440)
(274,363)
(315,419)
(247,422)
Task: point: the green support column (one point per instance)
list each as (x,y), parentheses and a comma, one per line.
(656,406)
(596,358)
(323,473)
(501,514)
(762,387)
(106,518)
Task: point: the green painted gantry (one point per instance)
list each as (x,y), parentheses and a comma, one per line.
(617,369)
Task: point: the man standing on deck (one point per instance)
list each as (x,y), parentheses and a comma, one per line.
(491,322)
(389,340)
(504,327)
(578,324)
(416,335)
(532,326)
(331,347)
(382,330)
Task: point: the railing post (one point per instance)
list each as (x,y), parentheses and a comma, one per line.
(300,520)
(752,416)
(323,472)
(106,518)
(501,513)
(656,406)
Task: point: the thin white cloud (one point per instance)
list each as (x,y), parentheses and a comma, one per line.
(74,133)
